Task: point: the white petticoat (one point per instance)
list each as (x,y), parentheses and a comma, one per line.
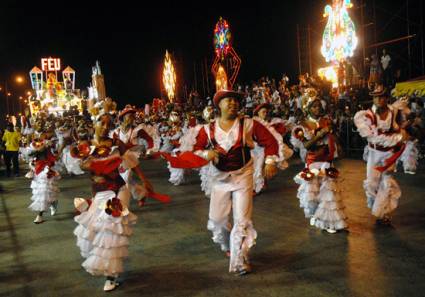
(103,239)
(410,157)
(320,198)
(44,191)
(258,157)
(72,164)
(206,179)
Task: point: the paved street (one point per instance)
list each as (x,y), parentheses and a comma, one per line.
(171,253)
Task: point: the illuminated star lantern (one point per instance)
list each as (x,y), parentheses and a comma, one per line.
(222,38)
(339,37)
(225,55)
(169,77)
(221,79)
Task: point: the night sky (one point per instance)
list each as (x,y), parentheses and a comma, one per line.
(130,42)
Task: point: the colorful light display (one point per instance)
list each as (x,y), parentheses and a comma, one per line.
(169,77)
(225,55)
(339,37)
(222,38)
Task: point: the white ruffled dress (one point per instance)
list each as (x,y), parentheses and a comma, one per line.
(44,190)
(320,196)
(102,238)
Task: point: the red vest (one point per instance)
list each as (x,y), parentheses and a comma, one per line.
(238,155)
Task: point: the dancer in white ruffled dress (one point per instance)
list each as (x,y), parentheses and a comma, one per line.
(318,190)
(386,144)
(44,180)
(66,139)
(277,127)
(206,171)
(104,228)
(171,144)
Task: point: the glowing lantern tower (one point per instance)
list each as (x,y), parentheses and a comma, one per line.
(226,59)
(169,77)
(68,76)
(36,76)
(339,37)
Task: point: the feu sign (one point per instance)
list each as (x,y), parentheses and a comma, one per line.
(50,64)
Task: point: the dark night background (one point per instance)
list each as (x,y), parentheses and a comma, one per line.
(130,42)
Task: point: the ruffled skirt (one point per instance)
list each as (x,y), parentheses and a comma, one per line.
(44,191)
(103,239)
(206,179)
(320,199)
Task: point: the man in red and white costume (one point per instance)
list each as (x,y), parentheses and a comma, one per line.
(386,143)
(227,143)
(132,137)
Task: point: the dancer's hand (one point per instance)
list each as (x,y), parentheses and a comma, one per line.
(404,134)
(324,131)
(270,170)
(212,156)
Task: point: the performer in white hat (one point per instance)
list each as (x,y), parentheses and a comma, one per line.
(385,145)
(227,142)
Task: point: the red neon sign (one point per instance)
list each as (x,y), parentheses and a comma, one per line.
(50,64)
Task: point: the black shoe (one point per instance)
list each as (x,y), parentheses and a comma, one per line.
(246,269)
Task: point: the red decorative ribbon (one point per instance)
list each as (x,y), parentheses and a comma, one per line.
(185,160)
(159,197)
(391,160)
(41,164)
(105,166)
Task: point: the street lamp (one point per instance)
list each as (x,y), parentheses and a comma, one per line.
(19,80)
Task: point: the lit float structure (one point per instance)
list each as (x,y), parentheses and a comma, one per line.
(50,94)
(339,39)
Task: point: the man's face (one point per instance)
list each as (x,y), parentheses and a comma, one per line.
(262,113)
(128,119)
(380,101)
(229,106)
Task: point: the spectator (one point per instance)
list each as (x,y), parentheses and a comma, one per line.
(375,71)
(387,69)
(11,139)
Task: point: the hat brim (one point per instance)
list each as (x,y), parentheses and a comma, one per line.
(124,112)
(378,94)
(226,94)
(259,107)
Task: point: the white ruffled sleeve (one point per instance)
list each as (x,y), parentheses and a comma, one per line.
(368,130)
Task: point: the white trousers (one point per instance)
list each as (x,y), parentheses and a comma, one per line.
(233,193)
(382,190)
